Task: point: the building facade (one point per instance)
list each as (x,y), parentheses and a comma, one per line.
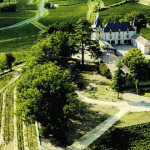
(115,33)
(142,44)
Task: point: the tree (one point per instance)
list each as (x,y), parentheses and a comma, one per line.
(57,47)
(47,95)
(111,18)
(138,18)
(118,79)
(83,34)
(9,60)
(138,66)
(136,63)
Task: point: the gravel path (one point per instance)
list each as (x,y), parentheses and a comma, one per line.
(133,103)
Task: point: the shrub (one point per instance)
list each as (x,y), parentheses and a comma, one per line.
(104,70)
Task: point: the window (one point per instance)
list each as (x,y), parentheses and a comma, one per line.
(119,36)
(127,36)
(110,31)
(110,37)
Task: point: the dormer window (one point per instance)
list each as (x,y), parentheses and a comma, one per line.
(119,31)
(110,31)
(127,30)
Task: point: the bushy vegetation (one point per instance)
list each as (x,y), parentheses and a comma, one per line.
(65,14)
(7,7)
(132,137)
(104,70)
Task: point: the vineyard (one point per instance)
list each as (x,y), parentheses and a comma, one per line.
(110,2)
(14,133)
(132,137)
(59,15)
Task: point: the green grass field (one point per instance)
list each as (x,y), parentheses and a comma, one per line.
(65,14)
(110,2)
(26,30)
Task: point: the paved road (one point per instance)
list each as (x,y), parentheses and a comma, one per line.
(41,13)
(130,105)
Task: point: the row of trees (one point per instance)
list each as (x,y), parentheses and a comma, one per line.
(6,62)
(46,92)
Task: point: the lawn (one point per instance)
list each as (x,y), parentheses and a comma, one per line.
(133,119)
(98,87)
(65,14)
(17,32)
(135,137)
(111,2)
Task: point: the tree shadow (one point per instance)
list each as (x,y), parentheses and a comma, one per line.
(84,122)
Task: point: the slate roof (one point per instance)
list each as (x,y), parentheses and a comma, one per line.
(97,21)
(143,41)
(116,26)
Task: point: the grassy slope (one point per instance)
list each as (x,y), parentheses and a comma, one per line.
(65,14)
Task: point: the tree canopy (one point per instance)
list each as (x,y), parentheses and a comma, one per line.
(47,95)
(137,64)
(9,60)
(118,79)
(57,47)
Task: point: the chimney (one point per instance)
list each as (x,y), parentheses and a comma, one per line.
(130,23)
(133,22)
